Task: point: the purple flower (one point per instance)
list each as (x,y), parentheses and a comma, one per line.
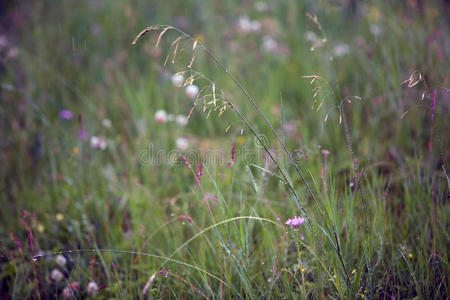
(65,114)
(82,134)
(295,222)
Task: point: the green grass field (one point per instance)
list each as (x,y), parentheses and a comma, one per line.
(168,168)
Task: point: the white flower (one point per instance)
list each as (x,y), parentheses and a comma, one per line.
(98,142)
(92,288)
(191,91)
(182,144)
(341,50)
(61,260)
(375,29)
(56,275)
(107,123)
(246,25)
(181,120)
(103,144)
(177,80)
(269,44)
(161,116)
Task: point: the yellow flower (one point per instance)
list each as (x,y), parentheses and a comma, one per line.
(59,217)
(240,140)
(374,13)
(75,151)
(40,228)
(410,255)
(303,270)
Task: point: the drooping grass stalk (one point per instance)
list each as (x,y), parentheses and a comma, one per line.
(252,101)
(332,235)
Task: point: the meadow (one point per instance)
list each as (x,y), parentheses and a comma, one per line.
(224,149)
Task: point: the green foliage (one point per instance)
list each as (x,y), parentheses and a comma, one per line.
(373,150)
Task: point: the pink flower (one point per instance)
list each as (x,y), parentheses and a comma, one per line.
(295,222)
(82,134)
(70,290)
(65,114)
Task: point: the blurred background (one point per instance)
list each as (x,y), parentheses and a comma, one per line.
(83,110)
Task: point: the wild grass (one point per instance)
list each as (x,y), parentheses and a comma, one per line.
(326,111)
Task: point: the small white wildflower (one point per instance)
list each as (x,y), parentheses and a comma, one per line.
(244,23)
(161,116)
(56,275)
(269,44)
(247,26)
(107,123)
(61,260)
(177,80)
(92,288)
(191,91)
(103,144)
(95,141)
(375,29)
(341,50)
(181,120)
(182,144)
(98,142)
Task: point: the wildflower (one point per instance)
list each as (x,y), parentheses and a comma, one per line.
(325,153)
(177,80)
(59,217)
(98,142)
(41,228)
(295,222)
(191,91)
(69,291)
(61,260)
(240,140)
(56,275)
(65,114)
(161,116)
(107,123)
(375,29)
(410,255)
(182,144)
(181,120)
(269,44)
(82,134)
(341,50)
(246,25)
(75,151)
(92,288)
(164,272)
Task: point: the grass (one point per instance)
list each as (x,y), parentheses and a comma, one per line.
(323,88)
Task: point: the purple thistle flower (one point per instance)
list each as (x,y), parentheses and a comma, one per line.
(295,222)
(65,114)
